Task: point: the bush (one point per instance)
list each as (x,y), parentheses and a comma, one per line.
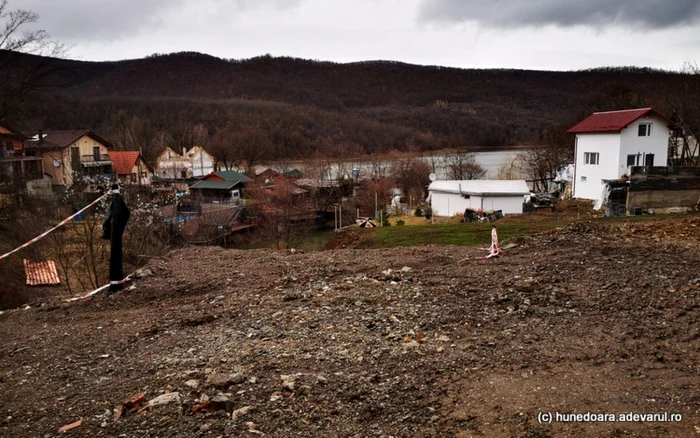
(400,222)
(418,212)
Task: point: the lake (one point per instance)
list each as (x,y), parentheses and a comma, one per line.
(491,161)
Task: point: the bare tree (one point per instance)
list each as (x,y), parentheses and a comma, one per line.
(21,76)
(285,213)
(134,134)
(681,96)
(541,162)
(378,166)
(411,175)
(462,165)
(246,146)
(508,169)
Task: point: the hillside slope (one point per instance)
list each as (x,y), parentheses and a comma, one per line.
(333,344)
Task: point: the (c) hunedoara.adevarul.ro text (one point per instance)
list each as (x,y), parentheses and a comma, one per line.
(561,417)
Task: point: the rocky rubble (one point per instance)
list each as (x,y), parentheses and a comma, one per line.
(401,342)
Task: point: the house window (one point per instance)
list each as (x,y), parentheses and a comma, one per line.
(644,130)
(591,157)
(584,179)
(133,177)
(632,160)
(649,160)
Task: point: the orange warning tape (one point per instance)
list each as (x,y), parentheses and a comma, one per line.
(60,224)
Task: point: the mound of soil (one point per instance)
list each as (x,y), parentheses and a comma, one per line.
(408,342)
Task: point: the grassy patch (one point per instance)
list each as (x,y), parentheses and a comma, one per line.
(471,234)
(475,234)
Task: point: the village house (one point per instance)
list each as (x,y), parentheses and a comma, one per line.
(68,155)
(194,163)
(16,164)
(171,165)
(220,186)
(203,163)
(130,168)
(451,197)
(609,143)
(266,176)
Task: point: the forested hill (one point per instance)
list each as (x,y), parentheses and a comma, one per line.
(376,105)
(341,86)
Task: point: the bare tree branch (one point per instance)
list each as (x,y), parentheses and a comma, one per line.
(20,75)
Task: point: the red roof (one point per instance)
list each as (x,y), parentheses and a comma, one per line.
(614,121)
(41,273)
(123,161)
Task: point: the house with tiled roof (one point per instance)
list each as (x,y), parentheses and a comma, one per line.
(609,143)
(129,167)
(221,186)
(193,163)
(68,155)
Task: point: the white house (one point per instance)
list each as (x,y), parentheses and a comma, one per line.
(194,163)
(609,143)
(202,161)
(448,198)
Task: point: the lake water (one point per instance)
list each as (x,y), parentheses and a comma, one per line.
(491,161)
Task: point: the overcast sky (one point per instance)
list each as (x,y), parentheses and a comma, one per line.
(528,34)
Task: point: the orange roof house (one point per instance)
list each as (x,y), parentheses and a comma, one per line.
(130,167)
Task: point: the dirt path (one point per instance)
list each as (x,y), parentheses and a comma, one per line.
(589,318)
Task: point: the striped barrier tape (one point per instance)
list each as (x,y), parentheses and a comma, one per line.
(99,289)
(494,250)
(60,224)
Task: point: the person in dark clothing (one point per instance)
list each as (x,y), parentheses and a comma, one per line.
(113,230)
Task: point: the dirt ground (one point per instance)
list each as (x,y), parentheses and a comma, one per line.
(591,318)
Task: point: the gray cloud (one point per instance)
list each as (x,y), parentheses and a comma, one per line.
(98,19)
(647,14)
(117,19)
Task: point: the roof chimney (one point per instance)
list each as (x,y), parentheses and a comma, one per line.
(184,151)
(41,136)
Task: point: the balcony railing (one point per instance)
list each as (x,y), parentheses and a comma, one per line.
(94,158)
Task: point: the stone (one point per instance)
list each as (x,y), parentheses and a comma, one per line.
(221,403)
(241,412)
(288,382)
(142,273)
(165,399)
(194,384)
(220,380)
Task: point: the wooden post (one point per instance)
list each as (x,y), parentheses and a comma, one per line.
(376,210)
